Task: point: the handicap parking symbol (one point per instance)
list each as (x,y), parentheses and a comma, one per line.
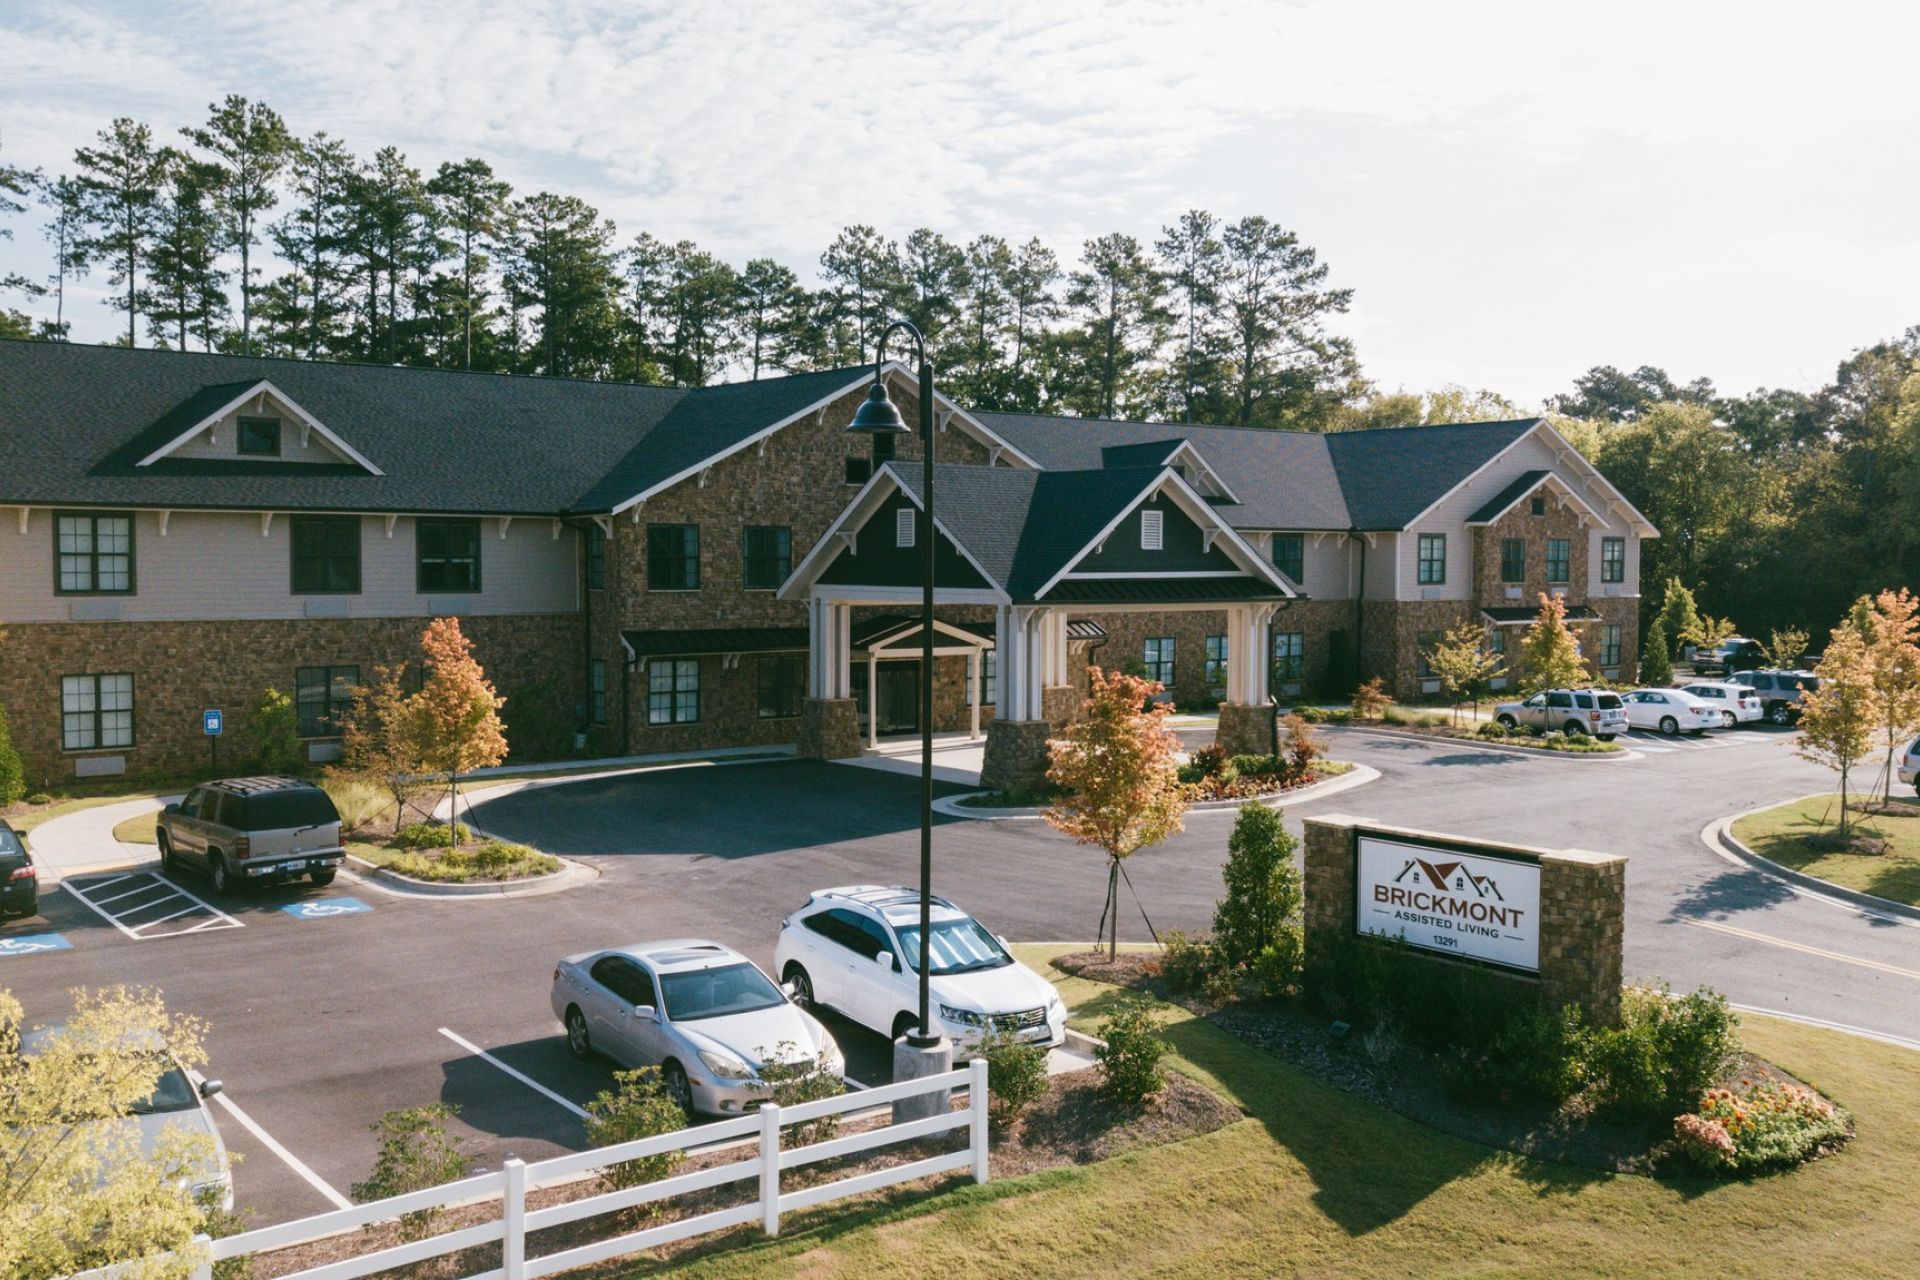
(322,908)
(29,943)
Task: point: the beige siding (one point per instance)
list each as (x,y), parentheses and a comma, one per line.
(1382,560)
(215,566)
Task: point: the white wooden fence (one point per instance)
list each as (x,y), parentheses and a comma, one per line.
(516,1178)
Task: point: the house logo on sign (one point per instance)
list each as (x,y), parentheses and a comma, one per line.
(1451,876)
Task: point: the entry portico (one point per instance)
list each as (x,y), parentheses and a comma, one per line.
(1033,551)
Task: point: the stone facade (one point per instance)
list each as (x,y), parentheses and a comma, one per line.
(1558,521)
(1317,621)
(1245,731)
(829,729)
(1406,621)
(180,669)
(1016,754)
(1582,912)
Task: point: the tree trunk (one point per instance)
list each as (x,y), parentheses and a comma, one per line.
(453,812)
(1113,909)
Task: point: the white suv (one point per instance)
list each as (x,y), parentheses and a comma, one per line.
(857,949)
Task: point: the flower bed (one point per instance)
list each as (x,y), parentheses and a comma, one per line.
(1756,1126)
(484,861)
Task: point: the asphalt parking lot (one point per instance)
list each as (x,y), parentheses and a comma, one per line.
(330,1006)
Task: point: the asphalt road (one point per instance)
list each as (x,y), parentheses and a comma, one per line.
(319,1025)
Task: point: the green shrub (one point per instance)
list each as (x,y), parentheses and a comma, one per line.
(1016,1076)
(1254,766)
(1211,758)
(430,835)
(1130,1058)
(358,801)
(275,728)
(1656,665)
(1437,1006)
(1413,719)
(1262,884)
(1275,972)
(788,1078)
(1190,774)
(416,1153)
(1763,1126)
(39,797)
(1187,963)
(13,775)
(493,860)
(636,1107)
(1492,729)
(1665,1053)
(1303,750)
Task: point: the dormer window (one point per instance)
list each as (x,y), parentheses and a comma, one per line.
(1151,531)
(259,437)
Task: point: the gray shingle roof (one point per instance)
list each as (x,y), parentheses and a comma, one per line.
(1493,508)
(1390,475)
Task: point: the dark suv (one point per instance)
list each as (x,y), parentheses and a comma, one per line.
(1730,656)
(19,881)
(1779,691)
(260,830)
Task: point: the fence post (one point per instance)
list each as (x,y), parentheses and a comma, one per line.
(770,1169)
(977,1105)
(513,1246)
(203,1257)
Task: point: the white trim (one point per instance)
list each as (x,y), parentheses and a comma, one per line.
(262,388)
(834,593)
(1191,449)
(1153,531)
(906,522)
(804,572)
(1556,444)
(1550,478)
(1162,573)
(886,638)
(165,517)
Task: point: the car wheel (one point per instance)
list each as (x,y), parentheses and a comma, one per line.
(1508,723)
(674,1077)
(322,877)
(579,1043)
(1779,713)
(1574,729)
(802,986)
(167,862)
(1669,726)
(1728,720)
(222,878)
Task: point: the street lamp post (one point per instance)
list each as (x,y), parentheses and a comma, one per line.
(925,1051)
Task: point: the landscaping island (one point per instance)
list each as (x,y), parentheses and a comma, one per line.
(1880,854)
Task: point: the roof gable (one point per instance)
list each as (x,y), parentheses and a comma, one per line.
(1391,476)
(1525,484)
(214,404)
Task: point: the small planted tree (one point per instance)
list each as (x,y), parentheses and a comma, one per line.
(416,1152)
(1549,654)
(1371,700)
(456,715)
(1656,662)
(1785,648)
(1262,906)
(379,742)
(1709,633)
(1893,649)
(1464,665)
(1679,615)
(1837,719)
(275,726)
(638,1106)
(1119,782)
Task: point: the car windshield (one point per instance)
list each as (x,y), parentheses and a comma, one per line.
(956,946)
(715,993)
(173,1093)
(279,810)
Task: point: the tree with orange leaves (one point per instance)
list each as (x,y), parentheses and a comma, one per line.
(1118,775)
(455,717)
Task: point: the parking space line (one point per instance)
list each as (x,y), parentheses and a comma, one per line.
(148,924)
(185,893)
(99,911)
(129,903)
(524,1079)
(287,1157)
(1804,949)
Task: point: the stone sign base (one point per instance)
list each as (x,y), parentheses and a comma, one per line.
(1244,730)
(829,729)
(1016,755)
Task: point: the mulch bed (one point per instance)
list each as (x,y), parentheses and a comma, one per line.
(1401,1079)
(1852,842)
(1072,1124)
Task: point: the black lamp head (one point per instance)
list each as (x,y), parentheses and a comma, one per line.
(877,414)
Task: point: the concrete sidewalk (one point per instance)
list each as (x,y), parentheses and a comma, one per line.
(956,757)
(82,841)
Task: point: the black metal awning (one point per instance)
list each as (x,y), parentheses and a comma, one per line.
(698,642)
(1085,629)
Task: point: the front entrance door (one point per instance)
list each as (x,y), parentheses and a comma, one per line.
(899,700)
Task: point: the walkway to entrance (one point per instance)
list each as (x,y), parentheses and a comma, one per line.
(956,757)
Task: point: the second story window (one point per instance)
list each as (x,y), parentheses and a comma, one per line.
(1559,560)
(258,436)
(673,557)
(326,554)
(766,556)
(1290,555)
(1513,559)
(596,557)
(93,554)
(1613,559)
(446,555)
(1433,558)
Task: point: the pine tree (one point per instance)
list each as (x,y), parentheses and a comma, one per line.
(862,272)
(65,230)
(770,297)
(1656,666)
(1118,298)
(934,278)
(121,180)
(1033,303)
(305,306)
(471,204)
(1287,370)
(14,186)
(975,361)
(1194,261)
(562,263)
(701,301)
(186,289)
(644,267)
(252,146)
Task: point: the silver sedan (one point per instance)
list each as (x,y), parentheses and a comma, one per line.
(702,1013)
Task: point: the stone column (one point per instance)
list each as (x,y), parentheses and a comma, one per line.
(1016,755)
(1583,931)
(829,729)
(1327,883)
(1244,731)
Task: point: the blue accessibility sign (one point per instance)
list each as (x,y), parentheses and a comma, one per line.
(29,943)
(323,908)
(211,722)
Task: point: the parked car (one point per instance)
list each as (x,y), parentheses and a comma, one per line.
(702,1013)
(1779,691)
(1671,711)
(174,1105)
(856,949)
(19,880)
(253,830)
(1736,703)
(1734,654)
(1910,765)
(1595,711)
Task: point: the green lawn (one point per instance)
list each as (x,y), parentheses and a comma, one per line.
(1780,834)
(139,829)
(1318,1183)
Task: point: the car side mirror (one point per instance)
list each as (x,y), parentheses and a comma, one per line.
(210,1087)
(643,1011)
(172,808)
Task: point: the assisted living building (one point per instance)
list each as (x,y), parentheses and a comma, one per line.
(666,569)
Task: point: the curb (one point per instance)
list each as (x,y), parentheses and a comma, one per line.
(1583,757)
(1357,776)
(571,876)
(1719,838)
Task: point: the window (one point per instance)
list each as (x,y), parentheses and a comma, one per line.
(1610,646)
(1497,646)
(321,695)
(1423,648)
(989,682)
(673,691)
(766,556)
(596,558)
(1559,551)
(447,555)
(326,555)
(1289,657)
(783,684)
(259,436)
(903,527)
(1513,559)
(1538,506)
(1158,659)
(625,979)
(673,557)
(886,447)
(1151,531)
(1433,558)
(1216,670)
(1613,559)
(597,691)
(1289,555)
(859,470)
(93,554)
(96,712)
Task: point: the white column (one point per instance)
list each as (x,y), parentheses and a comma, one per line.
(1033,671)
(1237,647)
(873,701)
(816,649)
(1009,700)
(1259,654)
(1056,651)
(973,682)
(842,664)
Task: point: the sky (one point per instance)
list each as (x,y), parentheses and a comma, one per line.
(1514,191)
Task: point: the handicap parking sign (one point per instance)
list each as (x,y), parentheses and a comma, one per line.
(323,908)
(29,943)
